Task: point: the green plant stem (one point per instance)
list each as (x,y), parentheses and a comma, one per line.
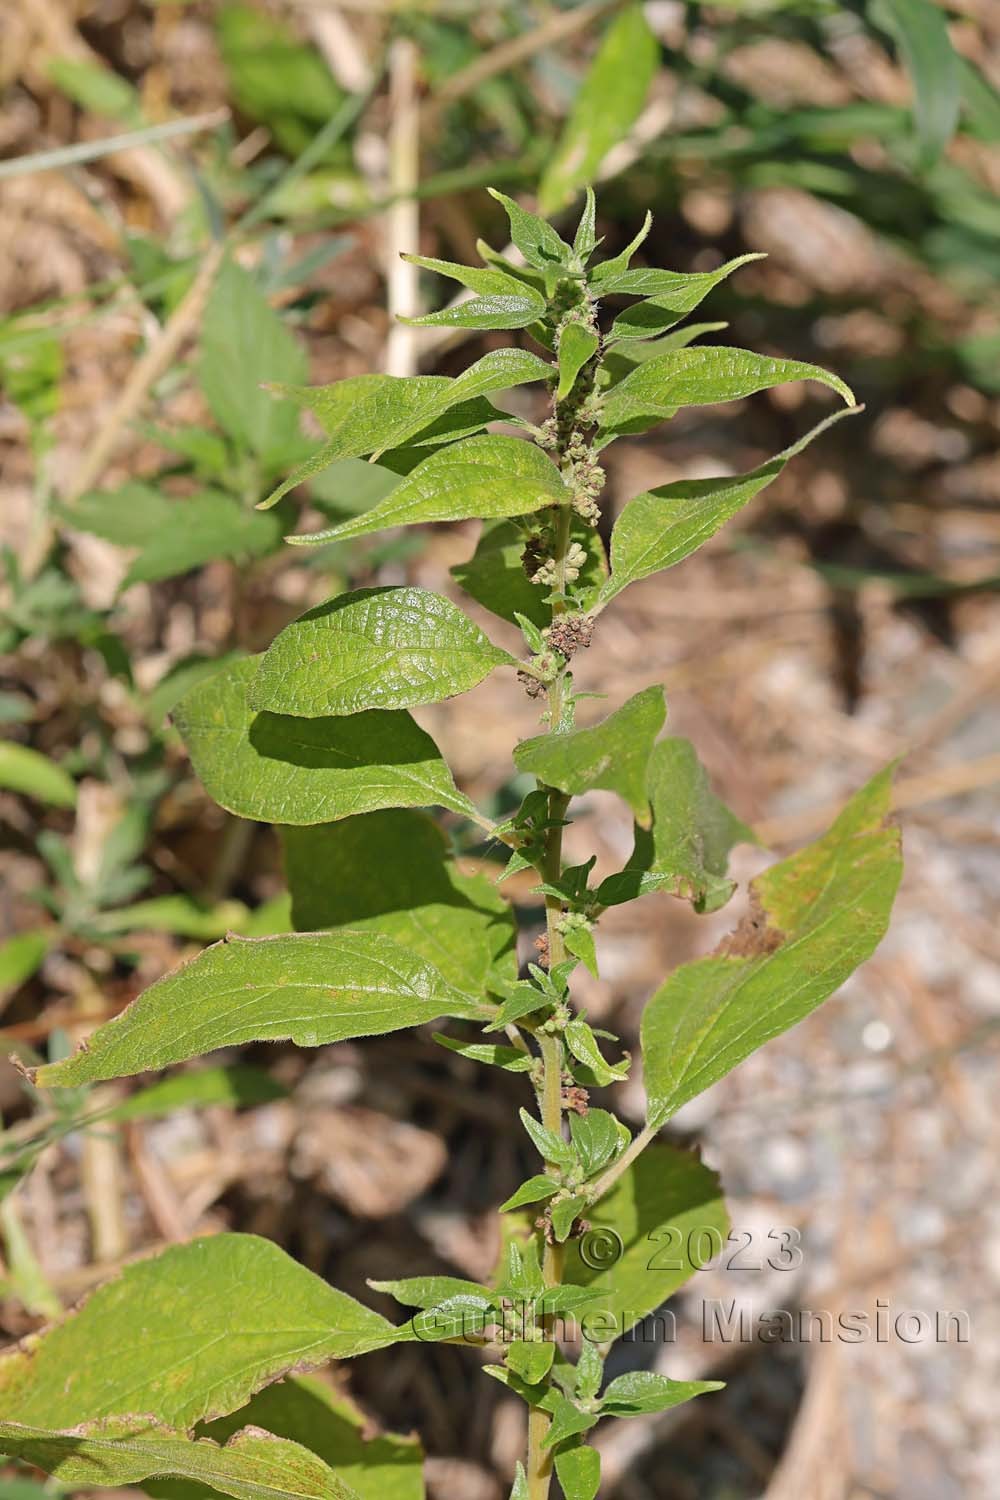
(539,1471)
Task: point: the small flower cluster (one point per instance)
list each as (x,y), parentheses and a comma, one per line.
(546,573)
(585,478)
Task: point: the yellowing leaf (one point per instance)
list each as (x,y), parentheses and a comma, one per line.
(253,1465)
(185,1336)
(815,917)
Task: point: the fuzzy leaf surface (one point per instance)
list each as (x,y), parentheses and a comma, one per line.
(667,296)
(613,754)
(579,1472)
(309,987)
(374,413)
(659,1207)
(663,526)
(278,769)
(701,377)
(389,872)
(484,477)
(178,1339)
(541,245)
(577,344)
(686,850)
(374,648)
(815,917)
(640,1391)
(501,301)
(252,1466)
(605,109)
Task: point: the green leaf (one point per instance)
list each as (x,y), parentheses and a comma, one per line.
(529,1360)
(585,241)
(580,942)
(567,1419)
(535,1190)
(307,1411)
(564,1215)
(244,342)
(278,769)
(494,576)
(597,1139)
(582,1042)
(464,1316)
(588,1372)
(431,1291)
(237,1086)
(23,954)
(559,1300)
(173,536)
(627,353)
(661,1208)
(374,413)
(686,851)
(185,1336)
(374,648)
(537,241)
(607,270)
(920,30)
(606,107)
(579,1472)
(814,918)
(668,297)
(501,301)
(96,89)
(483,477)
(491,1054)
(389,872)
(701,377)
(550,1147)
(519,1489)
(33,775)
(178,914)
(613,754)
(663,526)
(274,77)
(577,344)
(180,679)
(309,987)
(252,1466)
(642,1391)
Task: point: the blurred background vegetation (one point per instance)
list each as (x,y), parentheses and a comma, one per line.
(197,198)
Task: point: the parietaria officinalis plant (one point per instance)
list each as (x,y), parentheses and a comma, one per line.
(170,1371)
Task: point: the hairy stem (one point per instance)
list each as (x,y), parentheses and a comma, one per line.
(539,1471)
